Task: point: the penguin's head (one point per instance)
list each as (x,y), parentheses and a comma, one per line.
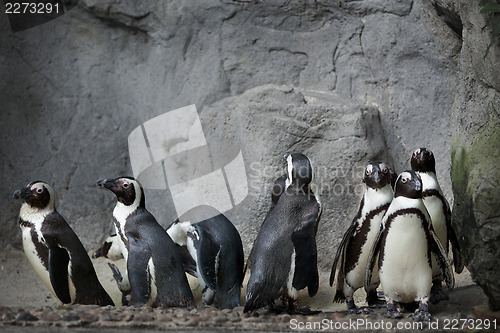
(128,191)
(408,185)
(423,160)
(300,170)
(36,194)
(377,175)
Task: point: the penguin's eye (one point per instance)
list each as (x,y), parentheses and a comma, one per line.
(367,172)
(384,170)
(404,180)
(39,190)
(125,185)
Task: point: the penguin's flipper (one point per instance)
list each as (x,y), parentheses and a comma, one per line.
(458,258)
(207,252)
(304,243)
(442,259)
(58,272)
(340,252)
(372,257)
(137,270)
(187,261)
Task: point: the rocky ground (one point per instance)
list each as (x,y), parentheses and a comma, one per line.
(25,303)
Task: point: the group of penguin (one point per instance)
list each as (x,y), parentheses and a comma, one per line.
(398,239)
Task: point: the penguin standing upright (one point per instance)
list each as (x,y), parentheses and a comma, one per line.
(358,240)
(424,163)
(155,275)
(216,248)
(403,247)
(54,250)
(284,257)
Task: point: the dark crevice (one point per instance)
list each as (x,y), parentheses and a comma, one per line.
(450,18)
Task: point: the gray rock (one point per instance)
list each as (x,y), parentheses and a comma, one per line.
(475,153)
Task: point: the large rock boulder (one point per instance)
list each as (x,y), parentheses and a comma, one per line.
(463,35)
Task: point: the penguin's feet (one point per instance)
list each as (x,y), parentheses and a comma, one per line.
(437,293)
(294,308)
(393,311)
(374,301)
(422,313)
(353,309)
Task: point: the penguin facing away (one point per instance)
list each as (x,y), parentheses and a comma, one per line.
(403,248)
(352,253)
(55,251)
(215,246)
(284,257)
(279,187)
(155,275)
(424,163)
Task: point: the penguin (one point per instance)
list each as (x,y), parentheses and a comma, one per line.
(216,248)
(402,249)
(352,253)
(55,251)
(109,249)
(284,256)
(279,187)
(155,275)
(424,163)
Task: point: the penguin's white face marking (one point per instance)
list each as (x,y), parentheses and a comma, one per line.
(405,177)
(39,202)
(129,194)
(290,170)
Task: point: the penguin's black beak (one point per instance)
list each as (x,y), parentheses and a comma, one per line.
(23,194)
(103,182)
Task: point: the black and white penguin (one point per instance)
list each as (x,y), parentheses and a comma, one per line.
(155,275)
(215,246)
(424,163)
(110,249)
(54,250)
(284,257)
(403,247)
(352,253)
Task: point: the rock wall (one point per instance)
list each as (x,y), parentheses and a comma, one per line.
(344,82)
(475,149)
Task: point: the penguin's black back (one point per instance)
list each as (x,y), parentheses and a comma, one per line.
(290,224)
(171,282)
(230,262)
(88,288)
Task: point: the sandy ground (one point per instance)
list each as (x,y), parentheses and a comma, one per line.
(21,289)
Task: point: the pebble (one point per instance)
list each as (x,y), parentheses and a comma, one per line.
(26,316)
(88,317)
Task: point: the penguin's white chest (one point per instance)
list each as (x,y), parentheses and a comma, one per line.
(356,276)
(436,212)
(405,273)
(34,259)
(120,213)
